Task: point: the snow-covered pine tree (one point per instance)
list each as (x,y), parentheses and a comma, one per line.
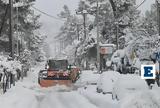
(68,36)
(68,32)
(26,24)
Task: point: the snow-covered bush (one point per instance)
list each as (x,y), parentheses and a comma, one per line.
(9,65)
(25,57)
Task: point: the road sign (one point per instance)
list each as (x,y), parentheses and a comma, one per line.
(106,50)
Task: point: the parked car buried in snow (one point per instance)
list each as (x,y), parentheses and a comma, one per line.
(106,82)
(127,84)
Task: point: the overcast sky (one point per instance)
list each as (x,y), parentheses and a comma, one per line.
(53,7)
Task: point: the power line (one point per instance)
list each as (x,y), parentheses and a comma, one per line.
(141,4)
(51,16)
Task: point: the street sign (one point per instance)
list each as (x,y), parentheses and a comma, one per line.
(106,50)
(103,50)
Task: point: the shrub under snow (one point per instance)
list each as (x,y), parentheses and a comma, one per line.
(10,65)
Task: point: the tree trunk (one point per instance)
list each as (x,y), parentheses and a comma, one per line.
(113,8)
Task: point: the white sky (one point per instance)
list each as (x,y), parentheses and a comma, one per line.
(146,5)
(53,7)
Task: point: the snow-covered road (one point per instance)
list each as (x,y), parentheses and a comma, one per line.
(28,94)
(31,96)
(64,100)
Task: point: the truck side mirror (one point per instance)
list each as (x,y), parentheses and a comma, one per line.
(69,67)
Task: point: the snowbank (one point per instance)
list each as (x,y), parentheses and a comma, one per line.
(128,84)
(143,99)
(88,77)
(107,80)
(19,97)
(100,100)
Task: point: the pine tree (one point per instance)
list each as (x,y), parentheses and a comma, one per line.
(68,32)
(25,26)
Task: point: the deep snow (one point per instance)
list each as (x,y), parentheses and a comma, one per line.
(28,94)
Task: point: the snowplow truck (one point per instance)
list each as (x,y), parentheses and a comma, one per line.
(57,72)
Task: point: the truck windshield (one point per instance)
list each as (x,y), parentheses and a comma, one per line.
(58,64)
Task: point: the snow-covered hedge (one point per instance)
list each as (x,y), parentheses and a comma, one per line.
(10,65)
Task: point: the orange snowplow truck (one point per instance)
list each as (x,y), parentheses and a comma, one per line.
(57,73)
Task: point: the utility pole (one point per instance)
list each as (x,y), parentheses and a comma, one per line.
(84,14)
(117,30)
(61,45)
(84,23)
(158,15)
(78,30)
(158,21)
(3,20)
(11,28)
(98,40)
(17,33)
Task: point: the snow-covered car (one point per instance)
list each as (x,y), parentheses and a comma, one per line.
(109,65)
(127,84)
(120,62)
(136,66)
(115,60)
(106,82)
(88,77)
(92,66)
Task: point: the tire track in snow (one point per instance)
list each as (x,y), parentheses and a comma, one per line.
(75,100)
(64,100)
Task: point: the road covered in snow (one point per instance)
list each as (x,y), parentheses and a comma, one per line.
(28,94)
(24,96)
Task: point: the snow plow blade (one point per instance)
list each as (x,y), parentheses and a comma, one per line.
(50,83)
(52,78)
